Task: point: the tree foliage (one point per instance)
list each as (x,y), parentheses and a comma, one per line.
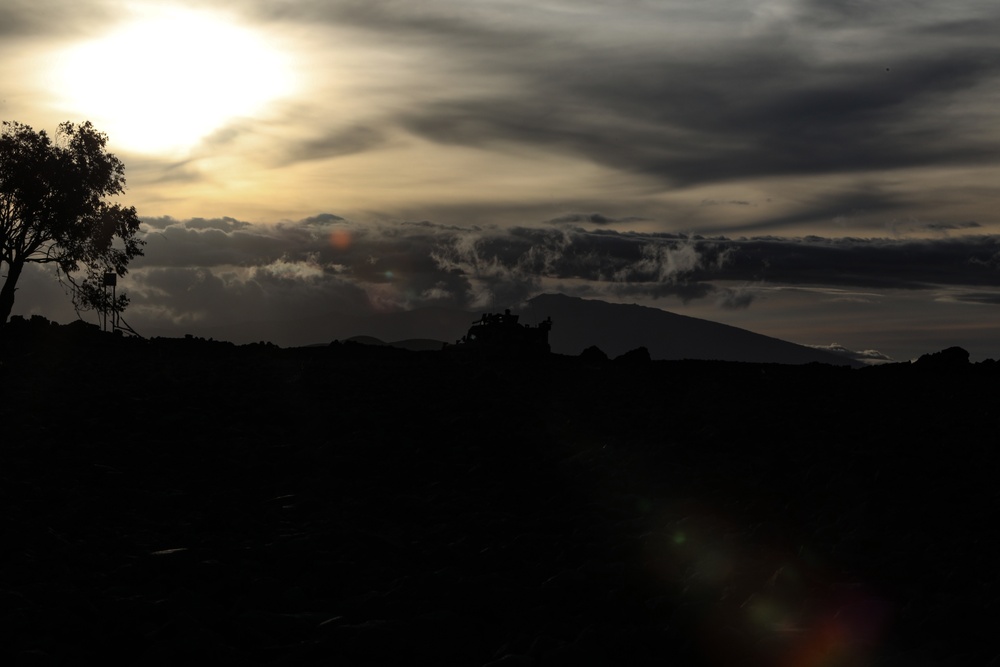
(54,210)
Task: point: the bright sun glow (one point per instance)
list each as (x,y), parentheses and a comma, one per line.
(170,77)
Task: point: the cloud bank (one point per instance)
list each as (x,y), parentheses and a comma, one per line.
(200,272)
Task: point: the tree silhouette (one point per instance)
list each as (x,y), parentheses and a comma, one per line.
(53,210)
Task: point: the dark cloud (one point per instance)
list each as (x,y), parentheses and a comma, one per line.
(26,18)
(313,139)
(946,226)
(591,218)
(427,224)
(207,244)
(980,28)
(911,226)
(200,269)
(336,142)
(725,202)
(323,219)
(761,113)
(410,264)
(752,106)
(873,263)
(988,298)
(417,264)
(835,13)
(834,207)
(17,21)
(160,171)
(441,25)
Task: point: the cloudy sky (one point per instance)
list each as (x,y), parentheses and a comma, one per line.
(823,171)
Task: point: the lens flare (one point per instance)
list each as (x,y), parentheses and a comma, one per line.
(340,239)
(762,603)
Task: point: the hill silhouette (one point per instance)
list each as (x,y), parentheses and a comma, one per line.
(618,328)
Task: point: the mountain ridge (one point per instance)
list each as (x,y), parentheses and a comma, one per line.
(617,328)
(614,328)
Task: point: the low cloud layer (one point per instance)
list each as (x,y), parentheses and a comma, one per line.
(201,271)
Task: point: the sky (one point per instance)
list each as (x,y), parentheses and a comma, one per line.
(822,171)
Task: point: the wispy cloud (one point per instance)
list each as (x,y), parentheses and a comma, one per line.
(659,101)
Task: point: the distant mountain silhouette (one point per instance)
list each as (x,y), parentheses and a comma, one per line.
(412,344)
(618,328)
(577,325)
(614,328)
(365,340)
(434,323)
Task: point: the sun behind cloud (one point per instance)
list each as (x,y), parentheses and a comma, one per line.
(171,76)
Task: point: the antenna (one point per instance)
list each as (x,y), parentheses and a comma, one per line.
(118,323)
(110,280)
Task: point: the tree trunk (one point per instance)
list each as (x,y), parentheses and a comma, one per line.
(7,293)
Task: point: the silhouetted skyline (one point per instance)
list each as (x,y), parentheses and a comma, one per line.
(820,172)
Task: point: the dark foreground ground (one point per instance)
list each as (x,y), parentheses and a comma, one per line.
(171,500)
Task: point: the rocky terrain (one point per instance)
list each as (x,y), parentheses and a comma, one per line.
(172,499)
